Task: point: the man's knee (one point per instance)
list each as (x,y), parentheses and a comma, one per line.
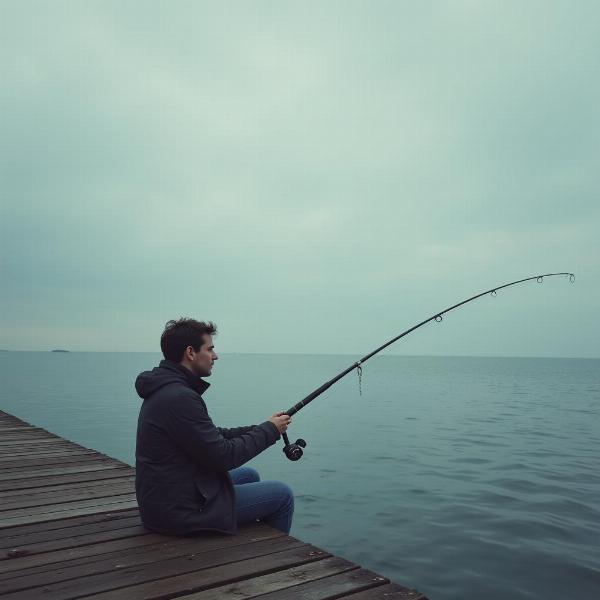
(243,475)
(286,494)
(251,475)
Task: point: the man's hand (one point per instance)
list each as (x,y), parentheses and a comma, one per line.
(281,421)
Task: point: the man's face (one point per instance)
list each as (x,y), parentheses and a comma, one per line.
(203,359)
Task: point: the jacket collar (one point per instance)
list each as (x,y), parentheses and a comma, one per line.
(196,383)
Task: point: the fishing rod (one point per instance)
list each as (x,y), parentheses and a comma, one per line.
(294,451)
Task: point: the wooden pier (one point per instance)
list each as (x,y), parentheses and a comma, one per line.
(70,528)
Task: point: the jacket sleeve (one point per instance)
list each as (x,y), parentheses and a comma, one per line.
(235,431)
(192,429)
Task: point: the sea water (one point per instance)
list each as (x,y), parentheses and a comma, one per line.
(461,477)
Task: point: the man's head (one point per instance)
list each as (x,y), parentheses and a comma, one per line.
(189,342)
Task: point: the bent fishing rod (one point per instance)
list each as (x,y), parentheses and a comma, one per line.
(295,451)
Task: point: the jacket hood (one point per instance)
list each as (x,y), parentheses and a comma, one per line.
(166,373)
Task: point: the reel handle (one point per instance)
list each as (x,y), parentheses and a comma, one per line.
(293,451)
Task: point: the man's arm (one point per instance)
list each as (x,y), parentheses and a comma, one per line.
(234,431)
(192,429)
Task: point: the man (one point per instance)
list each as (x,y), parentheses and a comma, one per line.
(188,475)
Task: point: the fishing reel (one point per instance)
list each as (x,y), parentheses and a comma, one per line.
(293,451)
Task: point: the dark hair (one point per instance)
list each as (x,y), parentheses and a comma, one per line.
(180,334)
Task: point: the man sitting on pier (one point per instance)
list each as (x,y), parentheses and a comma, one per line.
(189,474)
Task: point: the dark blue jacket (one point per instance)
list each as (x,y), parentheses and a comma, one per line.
(182,460)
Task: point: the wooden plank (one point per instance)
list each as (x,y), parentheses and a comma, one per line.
(335,586)
(16,429)
(4,416)
(57,444)
(23,427)
(55,447)
(110,518)
(45,454)
(7,445)
(60,506)
(390,591)
(60,447)
(248,533)
(35,442)
(45,463)
(39,446)
(6,448)
(77,553)
(67,512)
(25,437)
(23,448)
(49,470)
(27,434)
(194,581)
(144,573)
(34,482)
(55,498)
(19,464)
(47,494)
(109,563)
(74,554)
(66,488)
(6,470)
(82,461)
(12,551)
(12,476)
(32,433)
(250,588)
(44,541)
(46,449)
(11,428)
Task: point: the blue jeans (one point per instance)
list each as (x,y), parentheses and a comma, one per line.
(256,500)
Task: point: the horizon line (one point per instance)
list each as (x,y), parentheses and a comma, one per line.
(63,351)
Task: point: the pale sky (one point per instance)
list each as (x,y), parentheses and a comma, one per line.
(312,176)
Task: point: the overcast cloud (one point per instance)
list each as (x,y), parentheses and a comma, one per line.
(313,176)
